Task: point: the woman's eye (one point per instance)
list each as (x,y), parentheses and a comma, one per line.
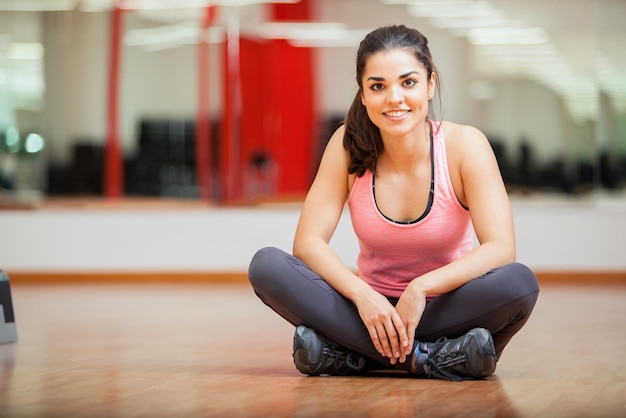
(410,82)
(376,87)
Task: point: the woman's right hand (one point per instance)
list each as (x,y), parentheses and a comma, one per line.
(384,325)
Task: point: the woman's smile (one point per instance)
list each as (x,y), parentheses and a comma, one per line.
(397,114)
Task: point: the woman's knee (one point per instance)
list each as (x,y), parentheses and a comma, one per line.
(526,277)
(263,261)
(521,282)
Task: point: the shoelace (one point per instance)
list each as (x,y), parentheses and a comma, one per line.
(336,356)
(437,367)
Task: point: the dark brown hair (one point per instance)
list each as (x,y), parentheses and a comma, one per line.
(362,138)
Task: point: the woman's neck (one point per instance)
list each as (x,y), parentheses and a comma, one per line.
(404,152)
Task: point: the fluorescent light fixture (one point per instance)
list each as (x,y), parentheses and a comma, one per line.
(428,2)
(163,37)
(464,22)
(96,5)
(190,4)
(301,34)
(546,65)
(163,4)
(507,36)
(172,36)
(298,30)
(38,5)
(349,38)
(469,9)
(25,51)
(308,34)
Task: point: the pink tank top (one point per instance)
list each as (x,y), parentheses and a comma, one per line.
(392,254)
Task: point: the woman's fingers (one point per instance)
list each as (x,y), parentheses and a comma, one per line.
(383,337)
(376,340)
(389,338)
(394,339)
(402,338)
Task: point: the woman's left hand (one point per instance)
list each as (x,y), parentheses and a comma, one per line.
(410,307)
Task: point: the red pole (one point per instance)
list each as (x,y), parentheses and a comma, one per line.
(230,175)
(203,117)
(294,143)
(113,166)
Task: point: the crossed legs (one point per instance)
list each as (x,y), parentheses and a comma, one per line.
(500,301)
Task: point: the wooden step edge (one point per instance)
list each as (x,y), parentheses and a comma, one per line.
(240,277)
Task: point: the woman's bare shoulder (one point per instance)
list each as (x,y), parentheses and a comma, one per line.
(465,146)
(334,147)
(462,134)
(337,156)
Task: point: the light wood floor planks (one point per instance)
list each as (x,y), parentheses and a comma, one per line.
(194,350)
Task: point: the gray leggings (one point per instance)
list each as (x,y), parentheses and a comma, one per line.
(500,301)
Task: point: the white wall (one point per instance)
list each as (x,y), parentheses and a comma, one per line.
(552,235)
(75,73)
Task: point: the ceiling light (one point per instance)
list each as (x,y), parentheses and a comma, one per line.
(428,2)
(507,36)
(298,30)
(37,5)
(25,51)
(190,4)
(349,38)
(453,9)
(163,37)
(309,34)
(96,5)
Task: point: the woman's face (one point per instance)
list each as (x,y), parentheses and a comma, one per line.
(396,91)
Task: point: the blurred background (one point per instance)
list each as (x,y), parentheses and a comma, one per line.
(231,101)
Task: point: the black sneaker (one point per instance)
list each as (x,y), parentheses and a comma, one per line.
(471,356)
(313,354)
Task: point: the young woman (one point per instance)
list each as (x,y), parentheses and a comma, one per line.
(425,298)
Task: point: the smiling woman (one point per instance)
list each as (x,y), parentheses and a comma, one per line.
(420,278)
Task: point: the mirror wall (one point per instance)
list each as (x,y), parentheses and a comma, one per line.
(549,92)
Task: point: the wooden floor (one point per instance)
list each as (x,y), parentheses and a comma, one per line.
(211,350)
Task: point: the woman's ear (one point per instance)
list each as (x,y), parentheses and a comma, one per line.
(432,83)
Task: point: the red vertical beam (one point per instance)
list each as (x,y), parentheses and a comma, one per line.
(293,97)
(230,176)
(258,114)
(293,142)
(203,116)
(113,166)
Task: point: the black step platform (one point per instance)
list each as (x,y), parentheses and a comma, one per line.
(8,330)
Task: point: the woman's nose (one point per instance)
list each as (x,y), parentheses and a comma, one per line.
(394,95)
